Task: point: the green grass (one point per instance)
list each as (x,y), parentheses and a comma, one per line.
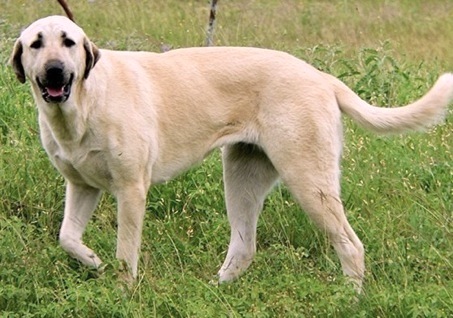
(398,190)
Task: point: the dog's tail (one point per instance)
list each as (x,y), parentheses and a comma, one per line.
(425,112)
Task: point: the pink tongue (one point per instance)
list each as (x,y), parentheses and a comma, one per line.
(55,92)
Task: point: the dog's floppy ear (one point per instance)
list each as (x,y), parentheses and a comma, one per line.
(92,56)
(16,61)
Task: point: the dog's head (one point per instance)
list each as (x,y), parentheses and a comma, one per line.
(53,53)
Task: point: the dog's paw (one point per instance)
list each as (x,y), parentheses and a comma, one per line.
(232,269)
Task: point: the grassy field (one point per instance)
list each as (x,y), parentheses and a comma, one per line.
(398,190)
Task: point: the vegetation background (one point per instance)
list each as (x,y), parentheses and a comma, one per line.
(398,190)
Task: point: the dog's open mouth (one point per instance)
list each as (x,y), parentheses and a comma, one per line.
(55,91)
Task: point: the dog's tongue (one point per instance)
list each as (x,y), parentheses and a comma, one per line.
(55,91)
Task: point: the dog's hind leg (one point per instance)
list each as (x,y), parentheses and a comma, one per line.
(248,177)
(79,206)
(313,176)
(323,205)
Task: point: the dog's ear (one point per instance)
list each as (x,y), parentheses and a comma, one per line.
(92,55)
(16,61)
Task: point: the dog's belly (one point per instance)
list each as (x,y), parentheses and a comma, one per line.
(165,171)
(178,157)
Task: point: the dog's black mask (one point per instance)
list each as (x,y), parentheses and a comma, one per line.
(55,83)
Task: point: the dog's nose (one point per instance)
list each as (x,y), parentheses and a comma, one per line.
(54,71)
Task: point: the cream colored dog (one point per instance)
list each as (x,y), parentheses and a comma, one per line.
(123,121)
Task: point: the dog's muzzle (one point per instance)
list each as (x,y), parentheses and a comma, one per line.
(55,83)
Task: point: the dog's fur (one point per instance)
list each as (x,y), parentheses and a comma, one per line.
(123,121)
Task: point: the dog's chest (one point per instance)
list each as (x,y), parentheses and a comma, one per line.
(83,167)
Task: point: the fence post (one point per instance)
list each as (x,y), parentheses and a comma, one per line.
(212,13)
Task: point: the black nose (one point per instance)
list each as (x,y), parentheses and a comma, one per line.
(54,73)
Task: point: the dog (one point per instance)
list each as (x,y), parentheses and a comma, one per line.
(123,121)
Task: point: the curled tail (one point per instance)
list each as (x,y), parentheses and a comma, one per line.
(425,112)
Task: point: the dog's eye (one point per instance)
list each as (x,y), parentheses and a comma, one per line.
(36,44)
(68,42)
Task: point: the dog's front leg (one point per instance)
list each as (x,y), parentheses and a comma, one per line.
(131,210)
(79,206)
